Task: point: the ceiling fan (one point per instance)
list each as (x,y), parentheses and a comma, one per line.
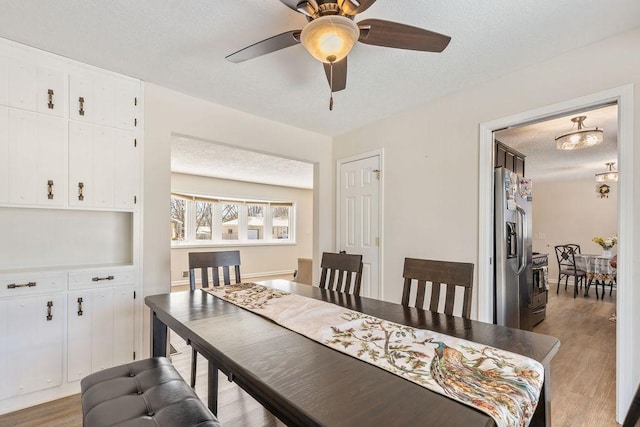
(331,32)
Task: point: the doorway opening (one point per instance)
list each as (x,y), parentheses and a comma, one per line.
(627,298)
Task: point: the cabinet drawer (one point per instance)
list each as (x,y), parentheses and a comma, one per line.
(100,278)
(539,300)
(538,316)
(32,284)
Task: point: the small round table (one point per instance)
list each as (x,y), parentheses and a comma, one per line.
(598,269)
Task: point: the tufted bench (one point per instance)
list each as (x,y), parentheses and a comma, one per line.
(148,392)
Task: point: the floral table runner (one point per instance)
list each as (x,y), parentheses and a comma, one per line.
(502,384)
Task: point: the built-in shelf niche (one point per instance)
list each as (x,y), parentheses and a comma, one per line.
(57,238)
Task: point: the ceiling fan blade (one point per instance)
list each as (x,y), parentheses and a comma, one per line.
(263,47)
(401,36)
(339,75)
(352,7)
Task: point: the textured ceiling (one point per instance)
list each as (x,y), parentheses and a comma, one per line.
(204,158)
(181,44)
(544,162)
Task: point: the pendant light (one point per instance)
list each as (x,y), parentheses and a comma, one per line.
(581,137)
(611,175)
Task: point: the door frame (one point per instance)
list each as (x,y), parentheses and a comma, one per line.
(627,297)
(361,156)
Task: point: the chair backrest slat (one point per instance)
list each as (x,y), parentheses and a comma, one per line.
(341,272)
(438,273)
(214,260)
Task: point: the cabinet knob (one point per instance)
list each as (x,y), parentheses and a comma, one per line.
(50,189)
(80,191)
(81,105)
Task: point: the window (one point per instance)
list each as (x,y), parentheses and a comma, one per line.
(178,207)
(229,221)
(255,222)
(197,220)
(204,220)
(281,221)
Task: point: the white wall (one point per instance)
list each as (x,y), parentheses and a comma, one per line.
(571,212)
(170,113)
(432,155)
(256,260)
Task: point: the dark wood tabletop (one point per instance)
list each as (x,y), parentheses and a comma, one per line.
(303,382)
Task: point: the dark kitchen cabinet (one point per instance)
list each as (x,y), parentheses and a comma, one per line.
(509,158)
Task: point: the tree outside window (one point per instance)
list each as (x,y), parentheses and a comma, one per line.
(204,220)
(178,207)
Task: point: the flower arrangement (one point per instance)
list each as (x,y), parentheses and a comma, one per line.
(606,242)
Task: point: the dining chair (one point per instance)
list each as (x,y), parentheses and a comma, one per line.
(341,272)
(565,254)
(450,274)
(203,261)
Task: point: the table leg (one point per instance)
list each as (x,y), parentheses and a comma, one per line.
(158,337)
(212,394)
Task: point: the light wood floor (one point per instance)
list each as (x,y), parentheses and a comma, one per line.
(582,374)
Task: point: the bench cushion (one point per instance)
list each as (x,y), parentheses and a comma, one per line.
(147,392)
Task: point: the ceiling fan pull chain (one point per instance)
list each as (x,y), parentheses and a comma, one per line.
(331,86)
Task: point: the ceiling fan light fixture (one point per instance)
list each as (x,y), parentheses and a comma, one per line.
(610,175)
(581,137)
(330,38)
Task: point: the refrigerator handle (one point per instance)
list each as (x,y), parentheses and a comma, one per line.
(522,222)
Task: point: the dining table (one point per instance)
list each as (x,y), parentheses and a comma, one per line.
(599,271)
(305,383)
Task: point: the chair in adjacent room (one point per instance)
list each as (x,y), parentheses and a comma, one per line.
(341,272)
(203,261)
(452,275)
(565,254)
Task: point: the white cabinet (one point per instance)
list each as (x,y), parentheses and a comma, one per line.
(37,158)
(104,101)
(70,157)
(31,87)
(4,153)
(101,322)
(32,328)
(103,166)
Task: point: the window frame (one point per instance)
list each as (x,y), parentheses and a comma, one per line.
(243,222)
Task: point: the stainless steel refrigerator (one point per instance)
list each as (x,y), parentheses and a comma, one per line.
(513,275)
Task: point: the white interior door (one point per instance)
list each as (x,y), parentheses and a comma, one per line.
(359,197)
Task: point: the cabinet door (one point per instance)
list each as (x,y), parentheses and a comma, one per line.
(127,94)
(102,329)
(23,152)
(79,316)
(4,80)
(34,331)
(124,316)
(81,99)
(23,85)
(127,170)
(52,97)
(52,161)
(81,188)
(104,94)
(4,154)
(4,351)
(103,165)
